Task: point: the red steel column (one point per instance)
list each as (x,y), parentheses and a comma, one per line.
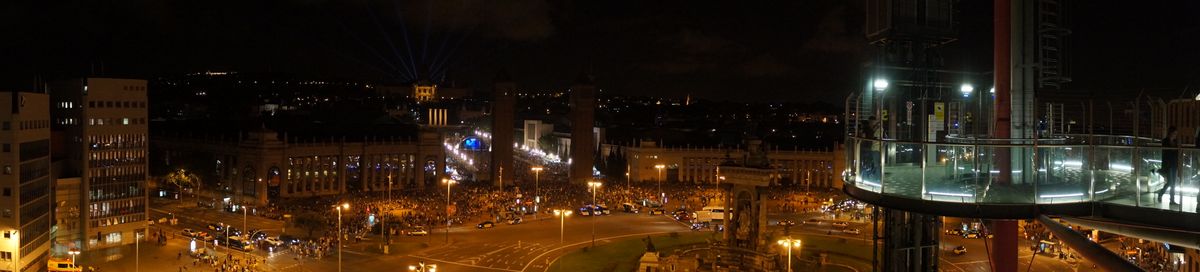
(1004,252)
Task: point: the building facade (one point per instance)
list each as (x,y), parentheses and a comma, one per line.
(103,124)
(812,168)
(25,204)
(254,169)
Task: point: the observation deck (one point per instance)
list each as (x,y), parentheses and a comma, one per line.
(1112,178)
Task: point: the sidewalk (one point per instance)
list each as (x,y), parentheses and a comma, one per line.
(152,257)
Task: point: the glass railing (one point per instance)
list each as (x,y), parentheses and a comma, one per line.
(1111,169)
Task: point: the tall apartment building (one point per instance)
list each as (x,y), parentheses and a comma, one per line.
(25,203)
(103,126)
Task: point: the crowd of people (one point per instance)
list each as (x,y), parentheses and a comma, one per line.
(230,263)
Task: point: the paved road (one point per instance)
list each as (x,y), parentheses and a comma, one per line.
(528,246)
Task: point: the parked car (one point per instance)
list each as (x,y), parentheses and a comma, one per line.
(273,242)
(514,221)
(214,226)
(786,223)
(188,233)
(812,221)
(416,232)
(852,231)
(629,207)
(485,225)
(658,211)
(960,250)
(585,211)
(841,224)
(971,235)
(956,232)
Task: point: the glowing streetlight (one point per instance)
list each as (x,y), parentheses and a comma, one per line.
(339,208)
(966,89)
(537,189)
(880,84)
(448,182)
(660,168)
(595,186)
(790,243)
(73,252)
(562,222)
(422,267)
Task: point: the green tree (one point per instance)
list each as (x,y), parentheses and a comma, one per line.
(310,222)
(182,179)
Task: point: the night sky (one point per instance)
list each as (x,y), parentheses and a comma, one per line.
(744,51)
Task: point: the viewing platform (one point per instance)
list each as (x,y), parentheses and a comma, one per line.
(1113,177)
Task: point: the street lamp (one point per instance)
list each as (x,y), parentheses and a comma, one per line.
(448,182)
(73,252)
(966,89)
(790,243)
(660,168)
(537,189)
(387,237)
(595,186)
(562,222)
(880,84)
(422,267)
(339,208)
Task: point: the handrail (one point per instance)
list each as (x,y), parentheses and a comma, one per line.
(893,141)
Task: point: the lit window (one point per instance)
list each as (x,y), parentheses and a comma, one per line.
(124,121)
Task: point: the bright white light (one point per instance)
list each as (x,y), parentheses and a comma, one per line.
(1063,195)
(949,194)
(880,84)
(966,89)
(993,90)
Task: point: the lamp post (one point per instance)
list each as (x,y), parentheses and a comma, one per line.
(660,168)
(73,252)
(344,206)
(562,223)
(720,192)
(387,237)
(595,186)
(448,182)
(790,243)
(245,239)
(537,189)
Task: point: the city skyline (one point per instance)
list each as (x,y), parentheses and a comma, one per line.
(549,136)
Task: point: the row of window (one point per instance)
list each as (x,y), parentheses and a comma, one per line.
(116,141)
(30,124)
(117,104)
(34,234)
(114,208)
(116,121)
(111,188)
(131,218)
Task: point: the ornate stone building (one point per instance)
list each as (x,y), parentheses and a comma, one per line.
(262,165)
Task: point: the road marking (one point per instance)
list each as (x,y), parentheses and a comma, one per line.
(463,264)
(585,242)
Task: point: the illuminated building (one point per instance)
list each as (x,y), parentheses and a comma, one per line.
(814,168)
(25,204)
(103,123)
